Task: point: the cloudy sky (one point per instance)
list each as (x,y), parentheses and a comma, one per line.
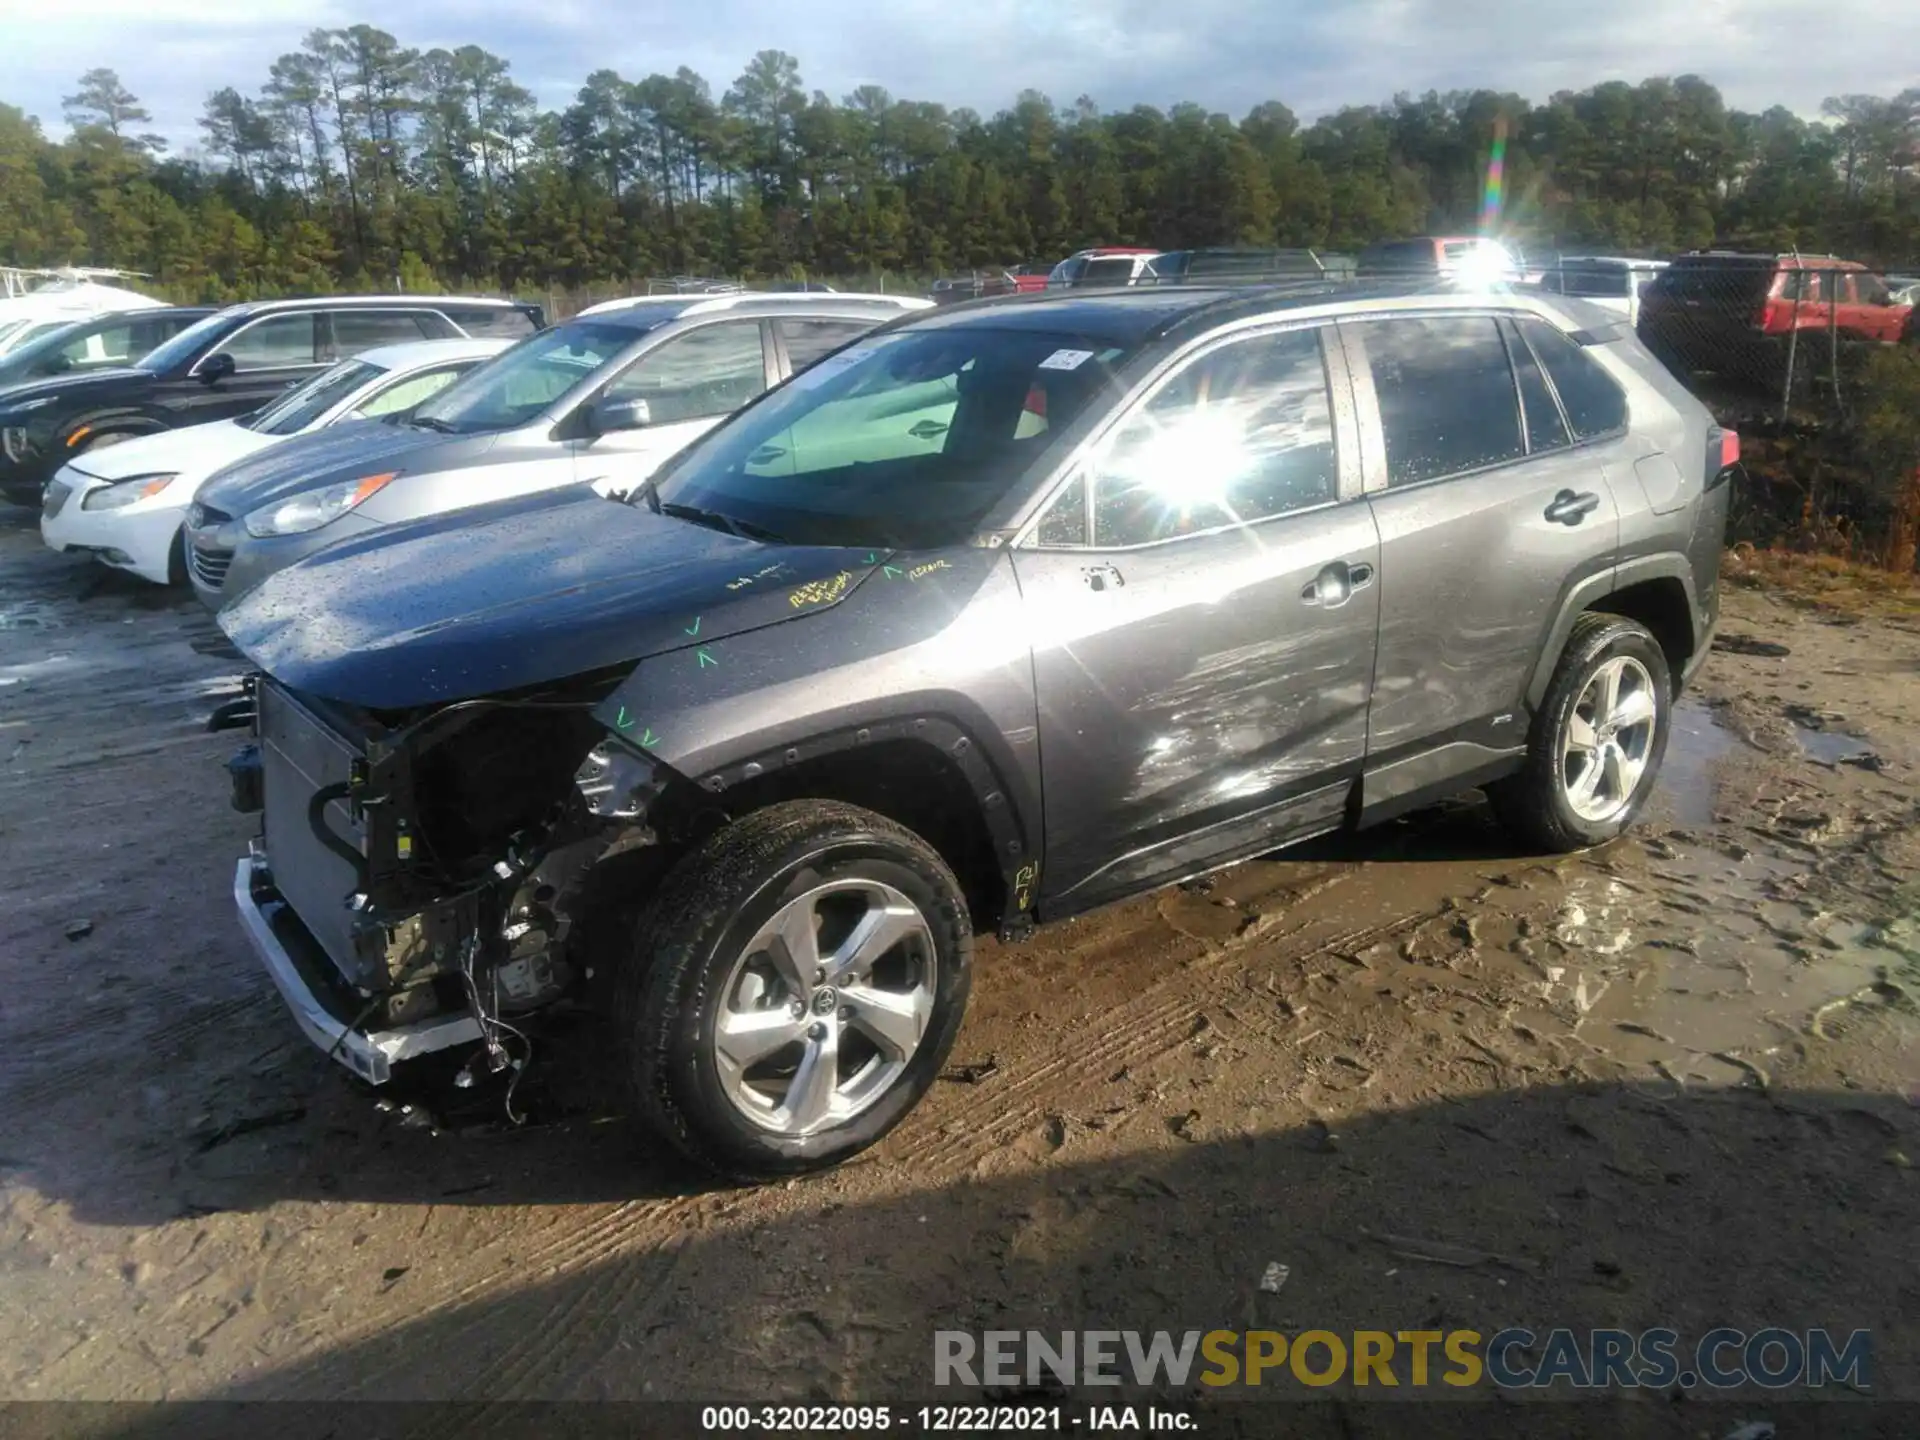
(1226,54)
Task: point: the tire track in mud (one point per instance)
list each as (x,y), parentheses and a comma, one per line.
(552,1333)
(630,1248)
(1150,1024)
(25,1055)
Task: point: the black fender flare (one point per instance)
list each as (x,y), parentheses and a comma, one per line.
(1009,815)
(1011,818)
(1582,595)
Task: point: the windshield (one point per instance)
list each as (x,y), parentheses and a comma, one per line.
(906,440)
(521,383)
(182,348)
(304,404)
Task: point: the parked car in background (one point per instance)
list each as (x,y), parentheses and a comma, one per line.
(983,284)
(225,365)
(604,397)
(1225,264)
(762,749)
(1105,265)
(39,302)
(1734,312)
(1609,281)
(123,337)
(1473,259)
(687,285)
(124,504)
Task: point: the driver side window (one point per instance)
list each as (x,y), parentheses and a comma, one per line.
(710,371)
(1243,433)
(276,343)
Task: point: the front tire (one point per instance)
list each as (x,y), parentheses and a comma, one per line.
(795,989)
(1594,755)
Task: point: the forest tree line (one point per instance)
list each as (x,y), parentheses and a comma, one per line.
(361,163)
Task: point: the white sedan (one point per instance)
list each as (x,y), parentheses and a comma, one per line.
(124,503)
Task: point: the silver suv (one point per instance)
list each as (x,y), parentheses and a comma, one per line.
(1007,610)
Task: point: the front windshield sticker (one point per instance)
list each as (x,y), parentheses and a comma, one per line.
(1066,360)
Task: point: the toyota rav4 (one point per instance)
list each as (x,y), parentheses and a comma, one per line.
(1003,611)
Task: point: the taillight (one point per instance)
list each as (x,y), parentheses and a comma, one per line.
(1723,453)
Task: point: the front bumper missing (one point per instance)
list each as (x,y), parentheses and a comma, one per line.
(322,1006)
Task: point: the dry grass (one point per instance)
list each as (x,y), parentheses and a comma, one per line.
(1826,582)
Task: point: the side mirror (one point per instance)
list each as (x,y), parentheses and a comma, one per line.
(217,368)
(609,416)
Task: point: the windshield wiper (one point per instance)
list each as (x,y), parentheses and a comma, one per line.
(714,520)
(432,422)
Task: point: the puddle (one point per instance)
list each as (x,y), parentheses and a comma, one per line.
(1830,747)
(1695,741)
(1703,972)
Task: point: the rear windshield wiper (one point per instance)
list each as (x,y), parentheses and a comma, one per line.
(714,520)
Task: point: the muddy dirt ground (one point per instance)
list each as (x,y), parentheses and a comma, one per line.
(1444,1083)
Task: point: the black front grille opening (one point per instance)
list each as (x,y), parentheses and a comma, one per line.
(210,566)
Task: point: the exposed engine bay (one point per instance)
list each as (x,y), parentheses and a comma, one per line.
(439,860)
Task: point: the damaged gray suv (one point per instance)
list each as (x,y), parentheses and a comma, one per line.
(1001,612)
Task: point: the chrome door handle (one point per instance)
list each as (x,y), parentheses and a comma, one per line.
(1102,577)
(1334,586)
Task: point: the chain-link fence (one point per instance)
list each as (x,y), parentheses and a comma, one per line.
(1816,361)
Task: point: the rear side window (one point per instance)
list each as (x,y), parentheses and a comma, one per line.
(808,340)
(493,322)
(1545,429)
(1446,392)
(357,330)
(112,345)
(1594,403)
(1244,433)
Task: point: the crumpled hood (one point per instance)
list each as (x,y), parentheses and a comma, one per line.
(195,450)
(117,382)
(300,463)
(519,593)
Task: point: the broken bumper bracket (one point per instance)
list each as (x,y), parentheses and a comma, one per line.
(298,968)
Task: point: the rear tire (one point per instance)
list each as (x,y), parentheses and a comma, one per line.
(757,1058)
(1595,751)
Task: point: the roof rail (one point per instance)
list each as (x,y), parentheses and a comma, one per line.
(776,297)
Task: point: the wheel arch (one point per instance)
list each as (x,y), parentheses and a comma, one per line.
(1656,591)
(115,421)
(930,773)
